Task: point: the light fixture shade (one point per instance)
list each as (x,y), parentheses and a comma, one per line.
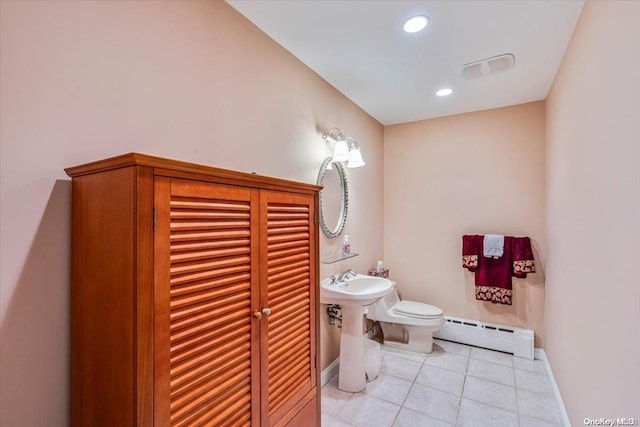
(341,151)
(355,159)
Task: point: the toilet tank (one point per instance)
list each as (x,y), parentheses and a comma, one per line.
(378,309)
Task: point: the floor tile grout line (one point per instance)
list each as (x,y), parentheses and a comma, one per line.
(516,413)
(413,383)
(491,405)
(516,391)
(491,381)
(464,384)
(343,406)
(423,362)
(422,385)
(493,363)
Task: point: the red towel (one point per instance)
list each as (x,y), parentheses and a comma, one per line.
(493,275)
(471,247)
(523,262)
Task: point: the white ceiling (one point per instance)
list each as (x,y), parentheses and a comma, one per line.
(360,48)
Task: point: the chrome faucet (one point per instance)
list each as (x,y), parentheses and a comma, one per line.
(346,275)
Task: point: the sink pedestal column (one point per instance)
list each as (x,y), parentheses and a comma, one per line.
(352,358)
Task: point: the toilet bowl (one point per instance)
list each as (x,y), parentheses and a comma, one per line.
(407,325)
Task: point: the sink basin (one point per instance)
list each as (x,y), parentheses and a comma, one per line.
(359,290)
(353,295)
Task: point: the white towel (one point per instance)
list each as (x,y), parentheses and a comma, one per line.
(493,245)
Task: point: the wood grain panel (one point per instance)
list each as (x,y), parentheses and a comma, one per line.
(305,413)
(179,169)
(292,284)
(282,333)
(209,377)
(210,301)
(144,295)
(103,297)
(172,262)
(288,274)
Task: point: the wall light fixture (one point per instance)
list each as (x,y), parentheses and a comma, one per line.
(345,149)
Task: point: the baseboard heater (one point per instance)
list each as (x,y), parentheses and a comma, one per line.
(509,339)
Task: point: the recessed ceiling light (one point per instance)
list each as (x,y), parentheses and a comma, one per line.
(444,92)
(416,23)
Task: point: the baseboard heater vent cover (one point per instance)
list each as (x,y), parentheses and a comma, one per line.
(509,339)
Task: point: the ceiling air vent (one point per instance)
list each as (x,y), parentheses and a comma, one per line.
(488,66)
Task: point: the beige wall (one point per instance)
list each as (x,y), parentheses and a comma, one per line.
(592,311)
(196,81)
(473,173)
(80,81)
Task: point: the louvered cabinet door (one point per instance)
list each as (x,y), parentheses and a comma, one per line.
(206,292)
(288,276)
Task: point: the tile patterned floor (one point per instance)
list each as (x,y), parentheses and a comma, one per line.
(456,385)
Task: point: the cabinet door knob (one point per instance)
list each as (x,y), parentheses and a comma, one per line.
(257,315)
(266,311)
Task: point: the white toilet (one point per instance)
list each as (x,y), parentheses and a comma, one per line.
(407,325)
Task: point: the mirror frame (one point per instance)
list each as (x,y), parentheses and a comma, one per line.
(344,198)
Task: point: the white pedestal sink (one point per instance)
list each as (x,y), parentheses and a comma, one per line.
(353,295)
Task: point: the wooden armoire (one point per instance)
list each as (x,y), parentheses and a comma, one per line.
(194,296)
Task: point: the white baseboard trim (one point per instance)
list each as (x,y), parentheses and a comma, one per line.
(539,354)
(329,371)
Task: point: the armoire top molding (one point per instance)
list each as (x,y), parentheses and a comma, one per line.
(168,167)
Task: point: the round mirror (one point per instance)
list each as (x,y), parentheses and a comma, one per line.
(334,198)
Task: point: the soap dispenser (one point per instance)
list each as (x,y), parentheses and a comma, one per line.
(346,246)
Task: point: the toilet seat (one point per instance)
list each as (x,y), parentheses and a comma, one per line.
(407,325)
(417,310)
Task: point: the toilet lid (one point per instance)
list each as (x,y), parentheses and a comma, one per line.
(417,310)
